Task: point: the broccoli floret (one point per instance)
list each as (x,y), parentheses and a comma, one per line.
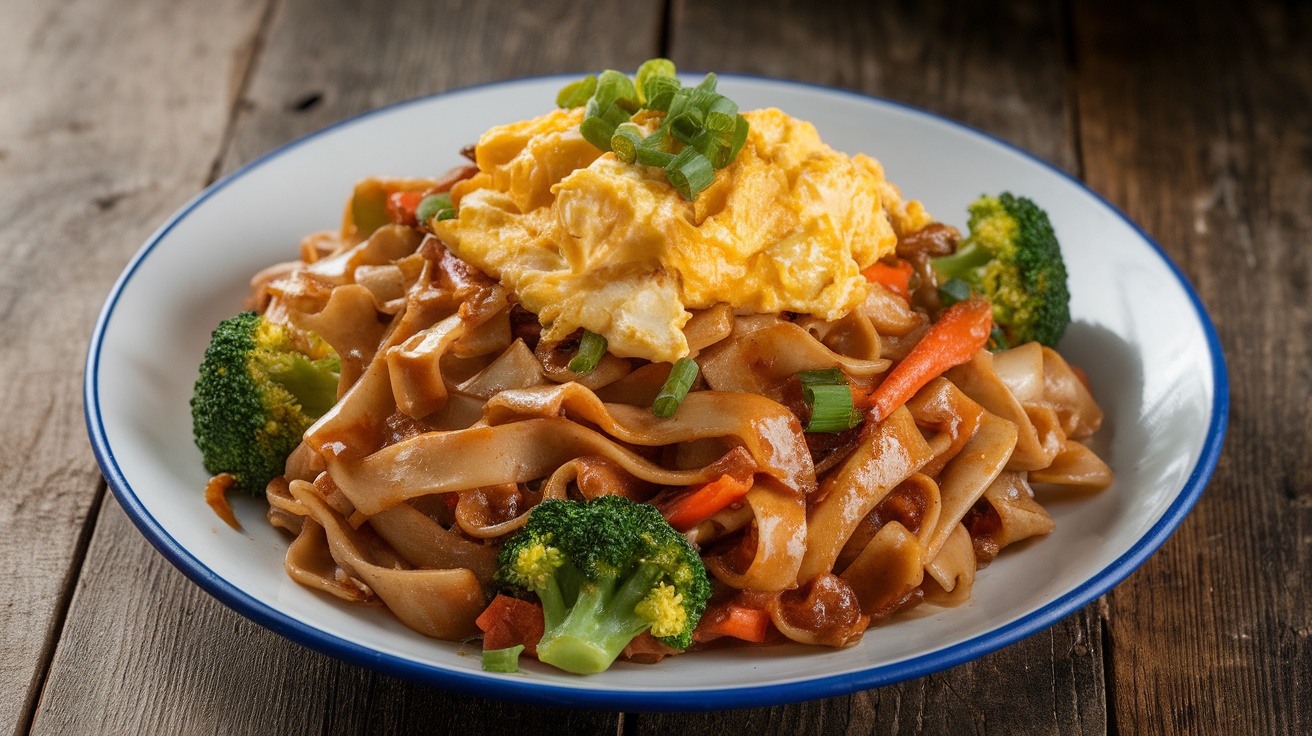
(605,571)
(261,385)
(1012,258)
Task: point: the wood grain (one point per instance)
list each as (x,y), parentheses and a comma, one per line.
(144,650)
(111,116)
(950,60)
(1197,124)
(1200,126)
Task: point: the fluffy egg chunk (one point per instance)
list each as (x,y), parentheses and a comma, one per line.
(587,241)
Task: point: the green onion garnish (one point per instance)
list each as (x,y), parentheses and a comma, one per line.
(738,138)
(830,399)
(687,125)
(652,151)
(689,173)
(625,142)
(597,131)
(502,660)
(659,92)
(722,115)
(831,408)
(676,388)
(830,377)
(953,291)
(435,205)
(577,94)
(701,133)
(615,88)
(660,73)
(591,347)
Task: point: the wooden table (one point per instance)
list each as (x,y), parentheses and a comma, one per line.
(1197,124)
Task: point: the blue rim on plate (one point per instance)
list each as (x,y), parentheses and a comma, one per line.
(550,694)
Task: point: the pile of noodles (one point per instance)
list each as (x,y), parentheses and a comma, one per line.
(454,420)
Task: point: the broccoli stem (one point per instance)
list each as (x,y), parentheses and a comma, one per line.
(964,264)
(314,386)
(599,625)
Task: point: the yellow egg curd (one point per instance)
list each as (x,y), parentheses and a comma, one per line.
(587,241)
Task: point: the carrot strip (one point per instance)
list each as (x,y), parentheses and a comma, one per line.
(692,509)
(954,339)
(216,495)
(896,277)
(731,619)
(401,206)
(509,621)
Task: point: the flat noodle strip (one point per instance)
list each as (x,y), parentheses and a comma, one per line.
(770,432)
(757,360)
(438,603)
(951,573)
(889,452)
(414,367)
(978,380)
(940,406)
(1075,465)
(888,570)
(775,548)
(425,543)
(1019,515)
(442,462)
(965,478)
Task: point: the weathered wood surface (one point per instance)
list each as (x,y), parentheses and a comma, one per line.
(145,651)
(110,117)
(1196,124)
(1199,125)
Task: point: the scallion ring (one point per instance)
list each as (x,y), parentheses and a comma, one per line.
(591,349)
(676,388)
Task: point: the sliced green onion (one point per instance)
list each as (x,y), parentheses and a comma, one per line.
(687,125)
(598,132)
(830,377)
(714,148)
(432,205)
(708,84)
(654,69)
(625,142)
(615,88)
(653,157)
(577,94)
(659,92)
(448,214)
(689,173)
(997,340)
(502,660)
(676,388)
(953,291)
(738,138)
(830,398)
(832,409)
(652,150)
(722,115)
(591,348)
(679,102)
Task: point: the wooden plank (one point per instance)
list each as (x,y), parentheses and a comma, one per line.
(111,117)
(144,651)
(999,67)
(1199,125)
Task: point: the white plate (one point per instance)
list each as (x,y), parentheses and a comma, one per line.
(1139,331)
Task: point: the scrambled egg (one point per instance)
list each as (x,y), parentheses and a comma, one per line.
(587,241)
